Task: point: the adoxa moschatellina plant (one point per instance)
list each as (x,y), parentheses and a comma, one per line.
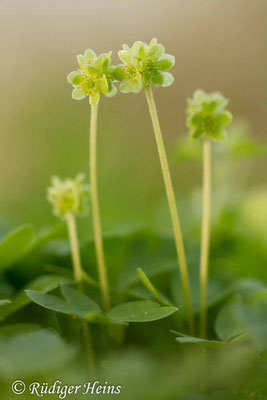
(207,118)
(145,64)
(95,76)
(70,198)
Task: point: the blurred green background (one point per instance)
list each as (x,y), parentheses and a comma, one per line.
(218,45)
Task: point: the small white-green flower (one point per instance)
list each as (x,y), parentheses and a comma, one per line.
(142,64)
(69,196)
(94,76)
(207,115)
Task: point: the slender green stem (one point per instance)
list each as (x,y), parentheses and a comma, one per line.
(173,208)
(205,236)
(78,275)
(74,244)
(102,271)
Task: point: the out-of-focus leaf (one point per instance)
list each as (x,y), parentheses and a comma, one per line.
(75,303)
(44,284)
(15,245)
(229,322)
(214,344)
(81,304)
(139,311)
(30,354)
(217,290)
(15,329)
(49,301)
(151,288)
(4,302)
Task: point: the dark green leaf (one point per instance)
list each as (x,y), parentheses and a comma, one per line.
(15,245)
(21,354)
(49,301)
(139,311)
(214,344)
(43,284)
(80,304)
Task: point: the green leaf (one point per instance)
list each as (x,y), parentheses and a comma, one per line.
(15,245)
(21,354)
(229,322)
(139,311)
(167,79)
(15,329)
(75,303)
(214,344)
(77,94)
(44,283)
(148,284)
(4,302)
(80,304)
(49,301)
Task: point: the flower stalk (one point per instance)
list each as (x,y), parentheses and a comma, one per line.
(78,276)
(172,206)
(207,118)
(74,245)
(95,76)
(102,271)
(205,235)
(69,198)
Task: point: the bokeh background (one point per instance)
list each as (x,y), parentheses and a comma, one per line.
(218,45)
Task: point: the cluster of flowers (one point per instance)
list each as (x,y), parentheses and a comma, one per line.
(142,65)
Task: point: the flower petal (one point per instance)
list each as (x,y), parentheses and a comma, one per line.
(100,60)
(125,87)
(166,62)
(77,94)
(157,78)
(197,133)
(156,51)
(167,79)
(94,99)
(224,118)
(90,54)
(118,73)
(91,70)
(125,56)
(219,134)
(112,91)
(102,84)
(74,77)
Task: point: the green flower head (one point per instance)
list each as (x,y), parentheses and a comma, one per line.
(69,195)
(94,76)
(142,64)
(207,115)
